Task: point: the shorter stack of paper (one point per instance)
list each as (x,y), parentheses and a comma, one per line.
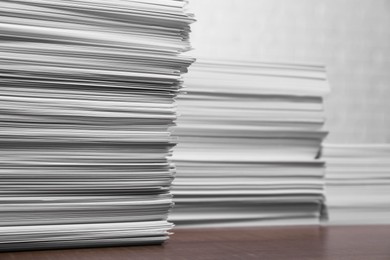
(249,135)
(358,183)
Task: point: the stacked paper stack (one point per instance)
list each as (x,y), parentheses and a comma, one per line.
(249,135)
(86,105)
(358,183)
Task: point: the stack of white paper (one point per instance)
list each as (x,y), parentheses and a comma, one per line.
(87,100)
(249,135)
(358,183)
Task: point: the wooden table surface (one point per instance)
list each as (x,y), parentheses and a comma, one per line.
(351,242)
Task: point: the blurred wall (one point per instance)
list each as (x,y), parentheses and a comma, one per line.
(351,37)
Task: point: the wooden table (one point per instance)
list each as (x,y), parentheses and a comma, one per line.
(352,242)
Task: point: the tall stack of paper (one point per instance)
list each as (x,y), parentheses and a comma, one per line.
(87,91)
(358,183)
(249,135)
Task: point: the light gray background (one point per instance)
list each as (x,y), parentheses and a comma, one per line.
(351,37)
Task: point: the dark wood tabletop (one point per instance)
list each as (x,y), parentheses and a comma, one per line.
(338,242)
